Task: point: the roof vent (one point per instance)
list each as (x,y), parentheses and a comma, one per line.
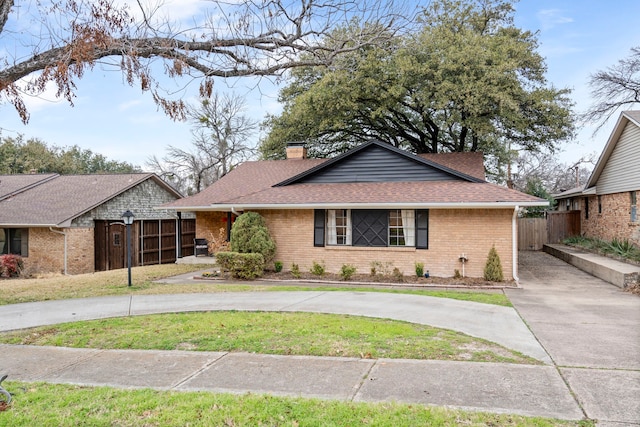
(296,150)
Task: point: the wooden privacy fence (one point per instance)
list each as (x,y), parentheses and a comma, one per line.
(562,224)
(534,233)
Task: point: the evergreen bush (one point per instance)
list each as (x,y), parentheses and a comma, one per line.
(493,267)
(250,235)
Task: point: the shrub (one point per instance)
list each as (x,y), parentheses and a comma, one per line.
(346,271)
(378,267)
(241,265)
(219,243)
(295,270)
(277,266)
(419,269)
(11,265)
(250,235)
(398,275)
(317,269)
(456,274)
(493,267)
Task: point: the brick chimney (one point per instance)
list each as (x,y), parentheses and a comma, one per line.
(296,150)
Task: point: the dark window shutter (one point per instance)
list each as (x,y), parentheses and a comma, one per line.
(422,229)
(318,227)
(370,227)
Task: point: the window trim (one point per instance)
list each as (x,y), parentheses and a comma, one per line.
(417,231)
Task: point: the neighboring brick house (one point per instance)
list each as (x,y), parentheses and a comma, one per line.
(72,223)
(375,203)
(608,202)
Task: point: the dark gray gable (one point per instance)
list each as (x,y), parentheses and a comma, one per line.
(376,161)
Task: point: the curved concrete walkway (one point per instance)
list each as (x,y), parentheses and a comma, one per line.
(533,390)
(498,324)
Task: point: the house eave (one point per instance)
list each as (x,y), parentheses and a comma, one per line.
(403,205)
(18,225)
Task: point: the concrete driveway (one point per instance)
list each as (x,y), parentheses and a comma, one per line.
(591,330)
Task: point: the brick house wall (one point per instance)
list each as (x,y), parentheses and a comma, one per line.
(614,220)
(46,250)
(451,233)
(208,224)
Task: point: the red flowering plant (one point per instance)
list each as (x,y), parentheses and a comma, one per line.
(10,265)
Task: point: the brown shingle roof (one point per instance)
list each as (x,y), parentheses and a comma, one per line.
(13,184)
(57,201)
(469,163)
(252,185)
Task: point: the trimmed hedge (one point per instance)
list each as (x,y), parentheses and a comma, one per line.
(241,266)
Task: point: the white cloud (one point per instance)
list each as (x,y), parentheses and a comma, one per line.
(550,18)
(129,104)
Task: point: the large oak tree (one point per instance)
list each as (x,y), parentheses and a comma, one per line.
(466,80)
(58,41)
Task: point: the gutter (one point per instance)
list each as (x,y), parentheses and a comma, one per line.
(224,207)
(514,245)
(65,247)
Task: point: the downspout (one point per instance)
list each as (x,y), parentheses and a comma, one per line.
(65,247)
(514,244)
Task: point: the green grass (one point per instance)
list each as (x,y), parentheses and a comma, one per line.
(114,282)
(37,404)
(271,333)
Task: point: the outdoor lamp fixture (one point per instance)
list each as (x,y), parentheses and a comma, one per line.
(127,218)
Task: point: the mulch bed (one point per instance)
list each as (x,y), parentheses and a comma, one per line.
(379,279)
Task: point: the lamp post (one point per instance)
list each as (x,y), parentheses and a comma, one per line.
(127,218)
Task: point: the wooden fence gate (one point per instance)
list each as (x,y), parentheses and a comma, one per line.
(534,233)
(152,242)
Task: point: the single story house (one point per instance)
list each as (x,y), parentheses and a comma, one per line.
(73,223)
(372,204)
(608,201)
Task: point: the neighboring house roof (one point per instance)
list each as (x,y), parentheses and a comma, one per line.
(347,182)
(572,192)
(13,184)
(626,117)
(56,201)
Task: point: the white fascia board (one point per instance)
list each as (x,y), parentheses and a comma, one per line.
(479,205)
(10,225)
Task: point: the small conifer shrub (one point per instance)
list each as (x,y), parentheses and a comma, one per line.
(493,267)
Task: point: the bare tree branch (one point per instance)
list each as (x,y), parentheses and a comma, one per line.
(615,88)
(247,38)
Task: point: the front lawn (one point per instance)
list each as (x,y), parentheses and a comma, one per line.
(271,333)
(37,404)
(114,282)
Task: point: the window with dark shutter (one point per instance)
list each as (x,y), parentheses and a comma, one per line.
(422,229)
(318,227)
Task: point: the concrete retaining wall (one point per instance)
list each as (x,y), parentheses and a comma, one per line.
(618,273)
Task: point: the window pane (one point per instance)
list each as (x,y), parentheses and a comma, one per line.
(4,248)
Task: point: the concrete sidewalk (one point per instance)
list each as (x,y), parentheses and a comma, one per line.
(493,387)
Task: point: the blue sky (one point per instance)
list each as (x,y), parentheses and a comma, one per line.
(577,38)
